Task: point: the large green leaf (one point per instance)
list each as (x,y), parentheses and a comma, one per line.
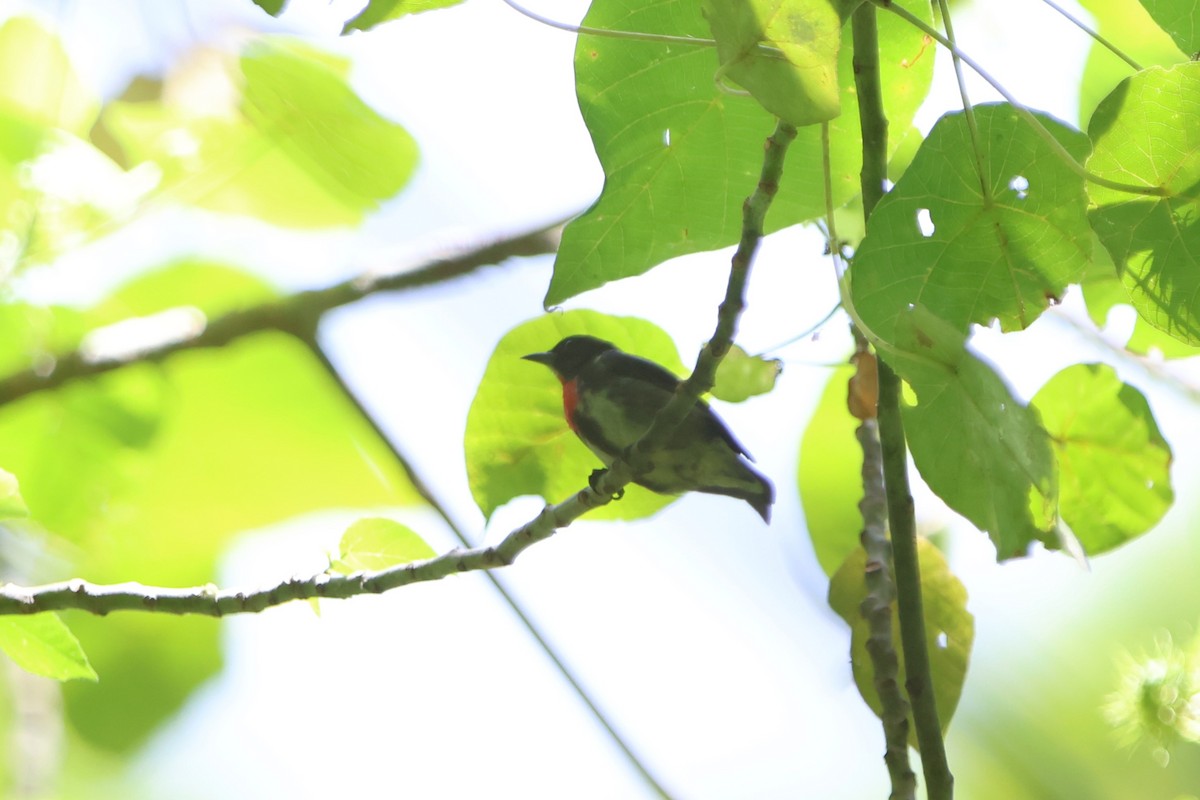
(1114,465)
(1103,290)
(1179,18)
(784,52)
(949,628)
(517,441)
(1126,23)
(304,150)
(979,449)
(830,476)
(969,255)
(1145,134)
(680,155)
(44,645)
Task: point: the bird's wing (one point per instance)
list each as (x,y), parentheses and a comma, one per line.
(621,365)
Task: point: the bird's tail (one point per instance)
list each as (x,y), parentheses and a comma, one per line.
(752,487)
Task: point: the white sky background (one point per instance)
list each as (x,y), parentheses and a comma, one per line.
(704,634)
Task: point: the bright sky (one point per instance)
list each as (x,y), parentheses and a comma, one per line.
(704,634)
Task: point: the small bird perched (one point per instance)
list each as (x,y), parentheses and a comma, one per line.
(610,398)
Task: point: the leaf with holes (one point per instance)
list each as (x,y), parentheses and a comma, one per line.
(979,449)
(784,52)
(680,155)
(1114,465)
(1145,133)
(969,250)
(949,628)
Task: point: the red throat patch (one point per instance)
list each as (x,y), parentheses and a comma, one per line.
(570,400)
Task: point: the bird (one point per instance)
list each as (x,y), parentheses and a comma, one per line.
(611,397)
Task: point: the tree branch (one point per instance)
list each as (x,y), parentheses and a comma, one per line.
(876,608)
(297,313)
(939,783)
(754,212)
(209,601)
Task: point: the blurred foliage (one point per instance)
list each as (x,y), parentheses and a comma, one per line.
(150,471)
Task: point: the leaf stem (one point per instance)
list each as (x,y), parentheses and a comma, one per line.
(1112,48)
(910,604)
(1026,114)
(635,36)
(985,185)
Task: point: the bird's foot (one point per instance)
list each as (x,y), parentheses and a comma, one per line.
(594,481)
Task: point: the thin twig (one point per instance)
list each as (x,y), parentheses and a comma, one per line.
(1112,48)
(426,493)
(295,313)
(636,36)
(985,185)
(210,601)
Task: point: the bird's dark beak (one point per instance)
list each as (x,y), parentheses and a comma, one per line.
(541,358)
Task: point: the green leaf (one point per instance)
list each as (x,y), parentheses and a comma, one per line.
(1180,18)
(11,502)
(978,448)
(1114,465)
(375,543)
(785,52)
(272,7)
(379,11)
(517,441)
(680,155)
(1103,290)
(1005,254)
(1140,38)
(305,151)
(949,628)
(830,475)
(741,376)
(44,645)
(1144,134)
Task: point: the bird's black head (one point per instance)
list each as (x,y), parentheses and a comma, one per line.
(571,355)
